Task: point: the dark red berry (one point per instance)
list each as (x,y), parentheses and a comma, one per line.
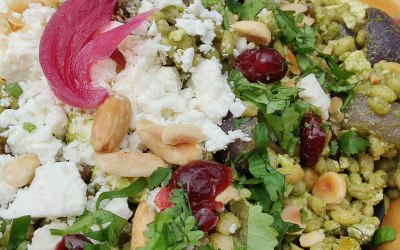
(264,65)
(312,139)
(203,181)
(73,242)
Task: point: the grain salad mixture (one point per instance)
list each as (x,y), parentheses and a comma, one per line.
(202,124)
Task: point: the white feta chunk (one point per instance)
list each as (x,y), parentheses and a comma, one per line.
(57,190)
(119,206)
(314,94)
(43,239)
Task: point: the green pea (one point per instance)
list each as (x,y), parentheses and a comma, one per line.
(227,43)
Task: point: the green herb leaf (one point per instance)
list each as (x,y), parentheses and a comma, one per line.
(336,70)
(3,225)
(333,147)
(303,40)
(384,234)
(234,6)
(160,176)
(109,234)
(173,228)
(206,247)
(134,188)
(18,230)
(350,143)
(304,216)
(81,225)
(13,89)
(259,232)
(251,8)
(278,104)
(100,246)
(28,126)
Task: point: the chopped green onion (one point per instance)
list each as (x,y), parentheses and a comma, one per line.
(134,188)
(29,126)
(13,89)
(19,227)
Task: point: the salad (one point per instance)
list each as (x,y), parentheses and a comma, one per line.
(202,124)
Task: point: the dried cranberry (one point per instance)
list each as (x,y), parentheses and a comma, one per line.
(203,181)
(312,139)
(73,242)
(162,198)
(264,65)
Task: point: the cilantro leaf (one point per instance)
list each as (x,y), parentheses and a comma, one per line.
(173,228)
(302,39)
(19,228)
(384,234)
(336,70)
(160,176)
(131,190)
(350,143)
(259,231)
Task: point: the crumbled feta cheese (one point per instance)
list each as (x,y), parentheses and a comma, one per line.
(212,90)
(43,239)
(187,59)
(314,94)
(78,152)
(232,228)
(150,199)
(193,27)
(119,206)
(7,192)
(237,108)
(57,190)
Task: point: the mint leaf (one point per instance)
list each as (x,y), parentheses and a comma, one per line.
(384,234)
(350,143)
(19,228)
(13,89)
(160,176)
(134,188)
(28,126)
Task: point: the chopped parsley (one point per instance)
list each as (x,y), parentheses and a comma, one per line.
(13,89)
(249,9)
(384,234)
(350,143)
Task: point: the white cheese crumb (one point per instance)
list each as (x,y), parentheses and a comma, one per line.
(232,228)
(212,90)
(56,191)
(314,94)
(150,199)
(187,59)
(119,206)
(43,239)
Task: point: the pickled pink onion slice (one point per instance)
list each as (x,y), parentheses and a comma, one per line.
(68,49)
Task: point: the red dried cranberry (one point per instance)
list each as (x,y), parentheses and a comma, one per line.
(162,198)
(73,242)
(312,139)
(264,65)
(203,181)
